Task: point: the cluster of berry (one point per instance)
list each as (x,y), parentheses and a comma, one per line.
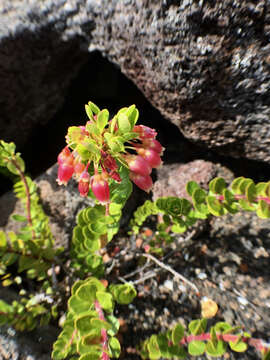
(148,155)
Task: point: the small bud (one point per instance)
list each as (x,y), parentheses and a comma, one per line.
(109,162)
(115,176)
(84,183)
(138,164)
(144,182)
(151,156)
(100,188)
(145,132)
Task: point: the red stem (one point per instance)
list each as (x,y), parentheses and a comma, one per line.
(259,344)
(239,197)
(104,336)
(28,197)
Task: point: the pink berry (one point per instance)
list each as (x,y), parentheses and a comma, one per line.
(144,182)
(145,132)
(151,156)
(100,188)
(65,172)
(153,144)
(84,183)
(138,164)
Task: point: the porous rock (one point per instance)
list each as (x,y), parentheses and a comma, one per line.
(204,64)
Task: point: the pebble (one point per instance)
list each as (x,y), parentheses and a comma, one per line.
(169,285)
(243,301)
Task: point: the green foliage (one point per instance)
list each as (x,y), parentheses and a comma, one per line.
(31,250)
(89,321)
(180,214)
(196,341)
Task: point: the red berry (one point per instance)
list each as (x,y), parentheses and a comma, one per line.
(145,132)
(144,182)
(153,144)
(65,172)
(100,188)
(84,183)
(138,164)
(151,156)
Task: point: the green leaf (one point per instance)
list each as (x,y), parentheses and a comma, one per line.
(191,186)
(114,347)
(20,163)
(133,115)
(87,292)
(177,334)
(93,129)
(123,123)
(116,144)
(12,168)
(102,119)
(94,108)
(9,258)
(222,327)
(235,185)
(89,112)
(5,307)
(123,293)
(84,153)
(111,127)
(217,185)
(94,355)
(115,209)
(100,324)
(106,300)
(179,228)
(77,305)
(114,323)
(251,192)
(25,263)
(83,324)
(153,348)
(238,346)
(197,327)
(263,210)
(215,350)
(214,206)
(91,146)
(3,240)
(196,348)
(198,198)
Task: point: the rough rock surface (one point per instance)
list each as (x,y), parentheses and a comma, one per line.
(205,65)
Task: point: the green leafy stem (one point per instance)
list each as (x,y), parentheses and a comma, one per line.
(180,213)
(214,343)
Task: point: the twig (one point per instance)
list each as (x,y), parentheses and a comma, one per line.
(147,264)
(176,274)
(148,275)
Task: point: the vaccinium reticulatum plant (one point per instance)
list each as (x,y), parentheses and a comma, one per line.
(105,156)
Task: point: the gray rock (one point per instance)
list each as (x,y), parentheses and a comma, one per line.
(204,65)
